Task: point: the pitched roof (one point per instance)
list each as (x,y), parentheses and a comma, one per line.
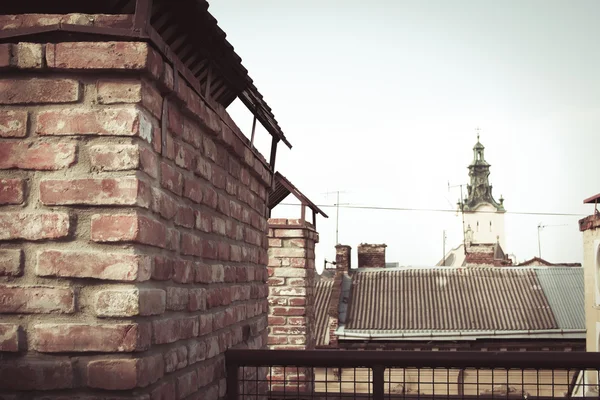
(322,294)
(439,301)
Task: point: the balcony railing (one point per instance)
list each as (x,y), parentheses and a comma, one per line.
(378,375)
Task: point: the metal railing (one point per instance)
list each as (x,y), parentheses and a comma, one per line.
(378,375)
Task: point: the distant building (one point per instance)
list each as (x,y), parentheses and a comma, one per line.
(484,238)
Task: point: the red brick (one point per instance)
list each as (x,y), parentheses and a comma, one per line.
(176,358)
(210,197)
(197,300)
(204,168)
(113,338)
(162,269)
(98,55)
(36,375)
(196,351)
(118,157)
(191,244)
(203,222)
(171,178)
(38,156)
(5,54)
(128,228)
(149,162)
(13,123)
(185,217)
(172,329)
(192,189)
(183,271)
(29,226)
(125,374)
(108,191)
(187,384)
(177,298)
(164,203)
(39,91)
(11,191)
(184,156)
(206,324)
(165,391)
(119,91)
(113,121)
(129,302)
(36,300)
(99,265)
(9,338)
(11,262)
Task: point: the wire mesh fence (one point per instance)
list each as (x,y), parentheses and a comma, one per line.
(274,375)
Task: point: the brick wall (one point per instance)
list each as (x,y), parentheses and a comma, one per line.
(371,255)
(291,283)
(132,230)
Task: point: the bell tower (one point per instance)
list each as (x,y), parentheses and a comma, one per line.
(484,216)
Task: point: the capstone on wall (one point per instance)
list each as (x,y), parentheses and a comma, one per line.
(133,244)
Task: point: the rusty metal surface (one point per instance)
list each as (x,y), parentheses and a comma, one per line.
(322,292)
(449,299)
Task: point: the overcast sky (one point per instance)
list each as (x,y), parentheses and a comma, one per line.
(381,99)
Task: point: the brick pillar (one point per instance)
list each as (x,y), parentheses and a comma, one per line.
(125,265)
(371,255)
(291,282)
(342,266)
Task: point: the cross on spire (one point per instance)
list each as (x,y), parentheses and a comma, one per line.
(478,130)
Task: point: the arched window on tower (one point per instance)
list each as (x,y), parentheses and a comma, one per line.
(490,226)
(477,226)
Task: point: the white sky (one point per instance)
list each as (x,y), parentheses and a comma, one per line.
(381,99)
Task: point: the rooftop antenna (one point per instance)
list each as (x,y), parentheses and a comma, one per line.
(337,213)
(539,228)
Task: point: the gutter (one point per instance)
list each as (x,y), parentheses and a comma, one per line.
(470,335)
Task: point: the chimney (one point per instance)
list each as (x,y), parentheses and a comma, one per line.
(342,266)
(371,255)
(291,299)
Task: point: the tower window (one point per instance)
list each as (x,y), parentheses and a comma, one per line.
(490,226)
(477,226)
(479,155)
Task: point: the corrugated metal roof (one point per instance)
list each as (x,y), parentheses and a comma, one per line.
(563,287)
(322,298)
(449,299)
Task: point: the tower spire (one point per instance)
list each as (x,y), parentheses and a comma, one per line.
(479,190)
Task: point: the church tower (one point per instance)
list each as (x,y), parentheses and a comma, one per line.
(483,215)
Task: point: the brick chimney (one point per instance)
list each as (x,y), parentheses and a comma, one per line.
(371,255)
(342,266)
(291,282)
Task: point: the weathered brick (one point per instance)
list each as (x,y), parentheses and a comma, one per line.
(58,338)
(11,262)
(5,55)
(119,91)
(176,358)
(125,374)
(129,302)
(36,300)
(183,271)
(171,178)
(99,265)
(118,157)
(29,55)
(177,298)
(38,90)
(36,375)
(187,384)
(38,156)
(191,244)
(162,269)
(98,55)
(197,301)
(128,228)
(185,216)
(173,329)
(111,121)
(108,191)
(13,123)
(9,338)
(164,391)
(11,191)
(192,189)
(149,162)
